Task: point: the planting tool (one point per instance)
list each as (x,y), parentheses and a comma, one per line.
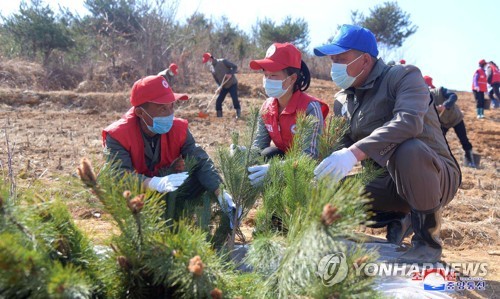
(204,114)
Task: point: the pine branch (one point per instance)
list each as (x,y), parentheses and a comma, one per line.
(329,141)
(235,174)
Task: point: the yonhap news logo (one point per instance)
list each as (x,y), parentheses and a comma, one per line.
(332,268)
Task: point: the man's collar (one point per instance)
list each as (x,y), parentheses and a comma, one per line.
(376,71)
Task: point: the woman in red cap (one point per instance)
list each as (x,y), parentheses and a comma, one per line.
(286,78)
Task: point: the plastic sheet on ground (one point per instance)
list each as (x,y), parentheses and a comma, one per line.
(399,286)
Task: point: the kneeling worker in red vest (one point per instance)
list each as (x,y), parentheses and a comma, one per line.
(285,78)
(148,139)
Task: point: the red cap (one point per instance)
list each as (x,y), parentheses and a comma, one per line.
(278,57)
(206,57)
(173,67)
(428,80)
(482,62)
(153,89)
(402,61)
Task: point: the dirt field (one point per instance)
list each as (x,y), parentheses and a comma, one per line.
(49,132)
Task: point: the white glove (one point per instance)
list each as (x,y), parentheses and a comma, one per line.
(167,183)
(234,148)
(258,173)
(226,202)
(337,165)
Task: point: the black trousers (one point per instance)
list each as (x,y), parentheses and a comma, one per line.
(479,96)
(233,91)
(461,134)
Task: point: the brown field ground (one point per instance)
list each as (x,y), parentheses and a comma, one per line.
(49,132)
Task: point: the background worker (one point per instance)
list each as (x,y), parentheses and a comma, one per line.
(392,122)
(493,78)
(286,78)
(224,72)
(479,87)
(170,73)
(451,117)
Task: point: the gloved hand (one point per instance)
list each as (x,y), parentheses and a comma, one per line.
(337,165)
(167,183)
(233,148)
(257,173)
(226,202)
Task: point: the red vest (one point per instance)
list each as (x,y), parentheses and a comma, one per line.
(127,132)
(482,81)
(495,77)
(281,127)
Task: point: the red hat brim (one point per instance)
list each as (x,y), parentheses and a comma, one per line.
(267,65)
(169,98)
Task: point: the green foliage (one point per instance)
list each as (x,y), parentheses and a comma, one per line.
(42,253)
(335,128)
(235,174)
(317,219)
(115,17)
(292,31)
(293,268)
(155,259)
(37,30)
(390,25)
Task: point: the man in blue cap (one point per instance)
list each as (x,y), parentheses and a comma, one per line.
(394,123)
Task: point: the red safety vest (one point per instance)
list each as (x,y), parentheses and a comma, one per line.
(495,77)
(127,132)
(281,127)
(482,81)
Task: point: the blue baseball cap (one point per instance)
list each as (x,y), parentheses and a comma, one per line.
(350,37)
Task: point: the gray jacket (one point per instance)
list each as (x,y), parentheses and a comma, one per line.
(220,67)
(392,106)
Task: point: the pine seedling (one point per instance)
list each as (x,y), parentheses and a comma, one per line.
(43,253)
(318,219)
(288,180)
(190,267)
(329,141)
(234,171)
(317,230)
(149,257)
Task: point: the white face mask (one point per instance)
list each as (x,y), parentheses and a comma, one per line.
(274,88)
(341,77)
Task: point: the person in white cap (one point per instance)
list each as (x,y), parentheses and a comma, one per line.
(392,122)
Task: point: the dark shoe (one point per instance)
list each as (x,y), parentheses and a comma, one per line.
(219,113)
(238,113)
(426,242)
(398,230)
(469,159)
(398,225)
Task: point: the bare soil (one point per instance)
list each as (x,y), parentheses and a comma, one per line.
(48,133)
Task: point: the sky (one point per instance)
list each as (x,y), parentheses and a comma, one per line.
(451,38)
